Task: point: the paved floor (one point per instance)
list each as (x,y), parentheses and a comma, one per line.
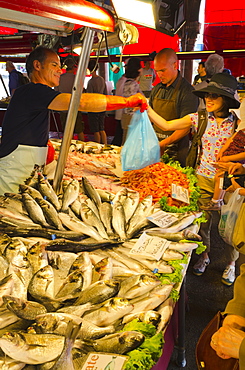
(205,296)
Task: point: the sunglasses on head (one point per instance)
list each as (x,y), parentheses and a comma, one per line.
(212,96)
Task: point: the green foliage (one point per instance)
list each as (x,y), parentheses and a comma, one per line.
(201,247)
(147,329)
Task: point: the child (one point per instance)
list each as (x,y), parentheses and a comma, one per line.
(232,151)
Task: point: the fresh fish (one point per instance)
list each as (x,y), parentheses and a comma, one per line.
(114,309)
(72,286)
(70,194)
(148,317)
(76,206)
(7,363)
(89,202)
(161,266)
(166,311)
(98,292)
(65,360)
(6,287)
(13,213)
(142,211)
(130,204)
(90,191)
(7,317)
(106,196)
(14,248)
(83,263)
(32,348)
(169,255)
(30,190)
(142,224)
(76,310)
(79,226)
(41,285)
(50,213)
(121,196)
(34,210)
(37,256)
(17,223)
(118,220)
(137,285)
(48,192)
(182,223)
(27,310)
(13,202)
(106,217)
(120,343)
(90,218)
(182,247)
(174,237)
(4,241)
(105,268)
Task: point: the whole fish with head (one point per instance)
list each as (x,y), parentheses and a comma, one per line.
(17,223)
(13,213)
(170,254)
(161,266)
(182,247)
(76,310)
(137,285)
(120,343)
(70,194)
(90,218)
(112,310)
(27,310)
(61,263)
(174,237)
(90,191)
(65,360)
(149,317)
(7,363)
(143,209)
(166,310)
(79,226)
(76,206)
(98,292)
(90,203)
(50,213)
(30,190)
(105,268)
(121,196)
(119,220)
(105,211)
(14,248)
(6,287)
(131,203)
(83,263)
(37,256)
(32,348)
(34,210)
(48,192)
(72,286)
(41,286)
(105,195)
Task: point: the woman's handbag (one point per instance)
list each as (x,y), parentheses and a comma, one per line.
(206,357)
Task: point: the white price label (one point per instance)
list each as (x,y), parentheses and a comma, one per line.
(151,247)
(104,361)
(180,193)
(163,219)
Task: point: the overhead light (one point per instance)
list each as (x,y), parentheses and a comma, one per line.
(136,11)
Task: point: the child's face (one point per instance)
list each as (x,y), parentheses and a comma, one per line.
(213,104)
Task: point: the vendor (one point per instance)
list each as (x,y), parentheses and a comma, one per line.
(25,129)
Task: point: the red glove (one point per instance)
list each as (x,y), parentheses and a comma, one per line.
(137,101)
(51,153)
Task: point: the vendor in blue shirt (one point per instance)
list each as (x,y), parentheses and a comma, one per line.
(25,129)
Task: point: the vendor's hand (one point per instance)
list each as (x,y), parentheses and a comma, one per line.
(227,341)
(236,168)
(137,100)
(163,146)
(234,185)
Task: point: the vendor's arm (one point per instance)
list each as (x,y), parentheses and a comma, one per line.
(175,137)
(176,124)
(99,102)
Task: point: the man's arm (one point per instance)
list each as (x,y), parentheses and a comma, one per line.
(175,137)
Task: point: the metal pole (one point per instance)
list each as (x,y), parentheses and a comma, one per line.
(73,107)
(181,359)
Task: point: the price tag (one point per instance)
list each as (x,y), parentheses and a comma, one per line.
(151,247)
(180,193)
(163,219)
(103,361)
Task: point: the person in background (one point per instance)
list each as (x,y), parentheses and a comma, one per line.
(146,79)
(201,76)
(96,121)
(117,140)
(65,86)
(172,98)
(219,98)
(13,77)
(130,87)
(214,64)
(25,129)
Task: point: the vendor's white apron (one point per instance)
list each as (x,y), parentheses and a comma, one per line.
(16,167)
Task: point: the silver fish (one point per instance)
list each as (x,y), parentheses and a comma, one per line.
(32,348)
(106,217)
(27,310)
(70,194)
(34,210)
(13,202)
(98,292)
(130,204)
(12,212)
(174,237)
(161,266)
(85,199)
(120,343)
(142,211)
(10,221)
(118,220)
(166,311)
(6,287)
(50,213)
(7,317)
(114,309)
(4,265)
(148,317)
(183,247)
(121,196)
(76,310)
(30,190)
(105,268)
(7,363)
(182,223)
(90,191)
(83,263)
(90,218)
(37,256)
(106,196)
(48,192)
(41,285)
(72,286)
(130,262)
(169,255)
(137,285)
(4,241)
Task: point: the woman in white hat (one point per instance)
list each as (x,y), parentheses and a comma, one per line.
(219,99)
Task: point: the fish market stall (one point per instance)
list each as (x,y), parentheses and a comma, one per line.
(91,270)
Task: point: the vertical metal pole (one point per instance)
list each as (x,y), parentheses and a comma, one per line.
(181,360)
(73,107)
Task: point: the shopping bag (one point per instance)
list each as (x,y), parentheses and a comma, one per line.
(141,147)
(229,215)
(238,239)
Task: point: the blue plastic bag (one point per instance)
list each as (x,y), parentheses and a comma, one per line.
(141,147)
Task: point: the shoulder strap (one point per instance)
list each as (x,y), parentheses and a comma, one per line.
(202,122)
(236,119)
